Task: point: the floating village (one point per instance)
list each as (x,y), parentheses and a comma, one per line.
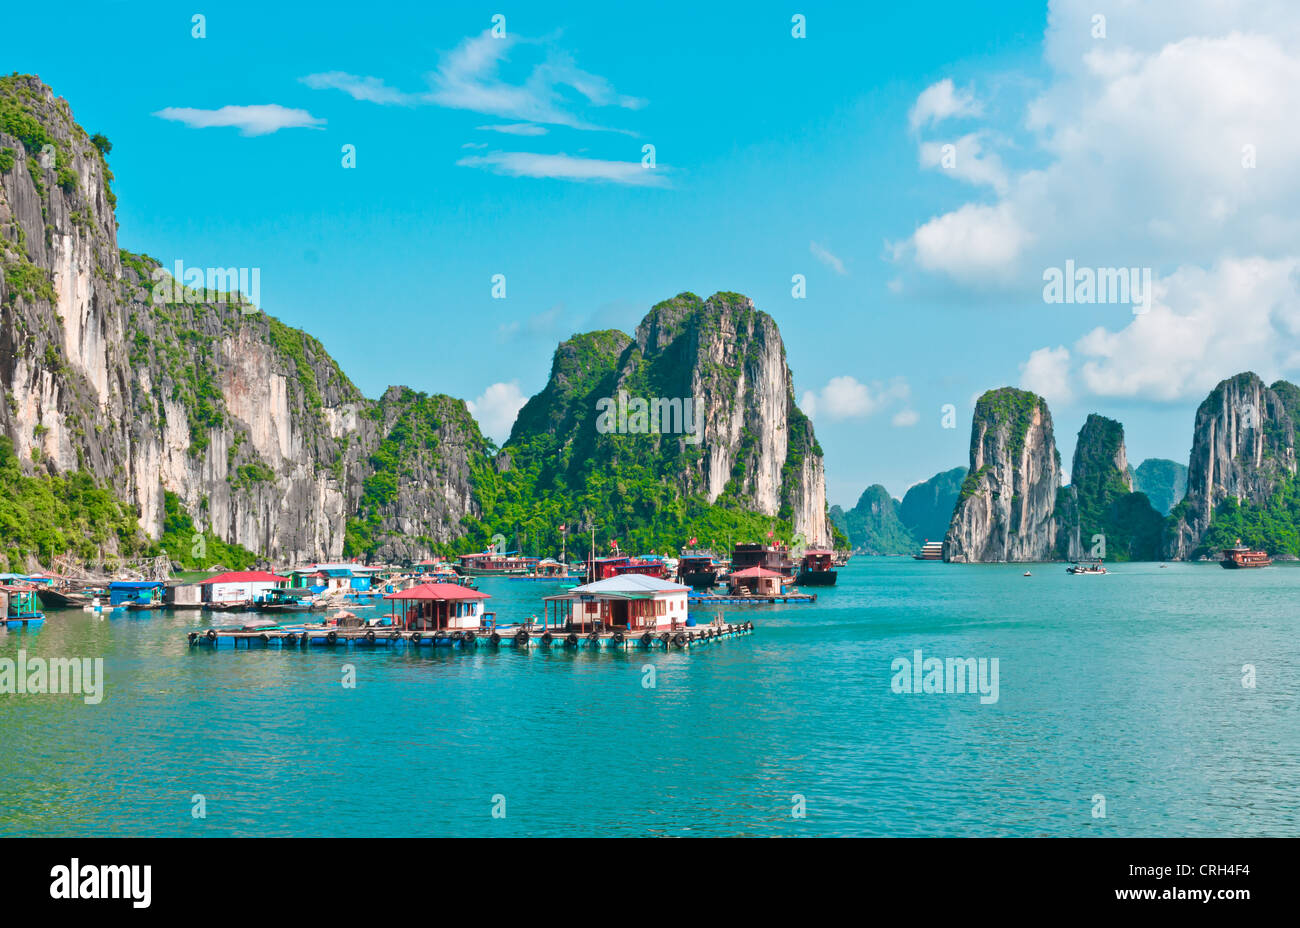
(617,601)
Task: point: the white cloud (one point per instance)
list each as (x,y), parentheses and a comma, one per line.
(369,89)
(824,255)
(847,398)
(942,101)
(1047,373)
(515,128)
(567,167)
(972,243)
(1242,314)
(249,120)
(966,161)
(497,408)
(469,78)
(905,417)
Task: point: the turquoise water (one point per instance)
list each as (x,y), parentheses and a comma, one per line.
(1127,685)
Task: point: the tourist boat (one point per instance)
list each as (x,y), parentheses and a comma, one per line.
(547,569)
(1087,567)
(491,564)
(930,551)
(1241,557)
(602,568)
(21,605)
(698,569)
(769,557)
(815,569)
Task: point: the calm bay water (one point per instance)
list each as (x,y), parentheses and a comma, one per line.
(1127,685)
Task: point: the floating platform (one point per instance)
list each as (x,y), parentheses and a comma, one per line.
(30,622)
(725,599)
(510,637)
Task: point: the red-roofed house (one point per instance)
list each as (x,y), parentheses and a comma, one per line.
(240,586)
(431,606)
(758,580)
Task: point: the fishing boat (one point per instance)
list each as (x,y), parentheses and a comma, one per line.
(1086,567)
(1241,557)
(816,568)
(21,605)
(285,600)
(698,569)
(602,568)
(930,551)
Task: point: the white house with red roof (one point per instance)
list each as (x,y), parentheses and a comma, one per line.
(438,606)
(240,586)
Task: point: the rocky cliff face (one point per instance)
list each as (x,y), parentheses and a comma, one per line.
(1163,481)
(927,508)
(752,439)
(1005,509)
(249,422)
(1243,446)
(873,526)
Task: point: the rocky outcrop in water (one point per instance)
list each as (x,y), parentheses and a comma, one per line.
(1243,447)
(927,508)
(1163,481)
(1099,515)
(1005,509)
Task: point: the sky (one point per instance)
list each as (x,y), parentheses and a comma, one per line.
(923,167)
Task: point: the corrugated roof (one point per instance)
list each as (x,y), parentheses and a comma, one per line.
(245,576)
(630,583)
(756,572)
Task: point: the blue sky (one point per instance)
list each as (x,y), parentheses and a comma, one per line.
(775,156)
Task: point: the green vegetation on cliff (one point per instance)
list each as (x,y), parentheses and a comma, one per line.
(42,516)
(926,508)
(873,525)
(182,541)
(1163,481)
(1101,502)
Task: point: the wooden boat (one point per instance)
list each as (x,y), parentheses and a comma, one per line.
(20,603)
(490,564)
(1088,567)
(228,607)
(1241,557)
(769,557)
(697,569)
(145,607)
(815,569)
(547,569)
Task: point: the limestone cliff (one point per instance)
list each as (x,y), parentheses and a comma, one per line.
(156,389)
(1243,447)
(1005,509)
(1098,514)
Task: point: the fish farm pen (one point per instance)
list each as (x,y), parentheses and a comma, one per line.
(511,637)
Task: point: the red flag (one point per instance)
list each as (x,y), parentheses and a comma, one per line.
(561,528)
(692,541)
(769,534)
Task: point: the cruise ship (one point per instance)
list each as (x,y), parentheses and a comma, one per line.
(930,551)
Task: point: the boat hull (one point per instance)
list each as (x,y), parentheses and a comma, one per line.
(816,578)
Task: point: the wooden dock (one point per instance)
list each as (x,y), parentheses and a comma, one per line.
(726,599)
(510,637)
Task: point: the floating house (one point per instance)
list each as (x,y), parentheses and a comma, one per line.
(759,581)
(817,568)
(632,602)
(184,596)
(135,592)
(240,586)
(602,568)
(20,605)
(435,606)
(320,578)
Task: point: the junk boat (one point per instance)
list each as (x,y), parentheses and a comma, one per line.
(769,557)
(930,551)
(697,569)
(816,569)
(1088,567)
(491,564)
(1240,557)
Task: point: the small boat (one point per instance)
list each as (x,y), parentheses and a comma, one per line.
(1087,567)
(21,606)
(241,606)
(697,569)
(1026,574)
(1241,557)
